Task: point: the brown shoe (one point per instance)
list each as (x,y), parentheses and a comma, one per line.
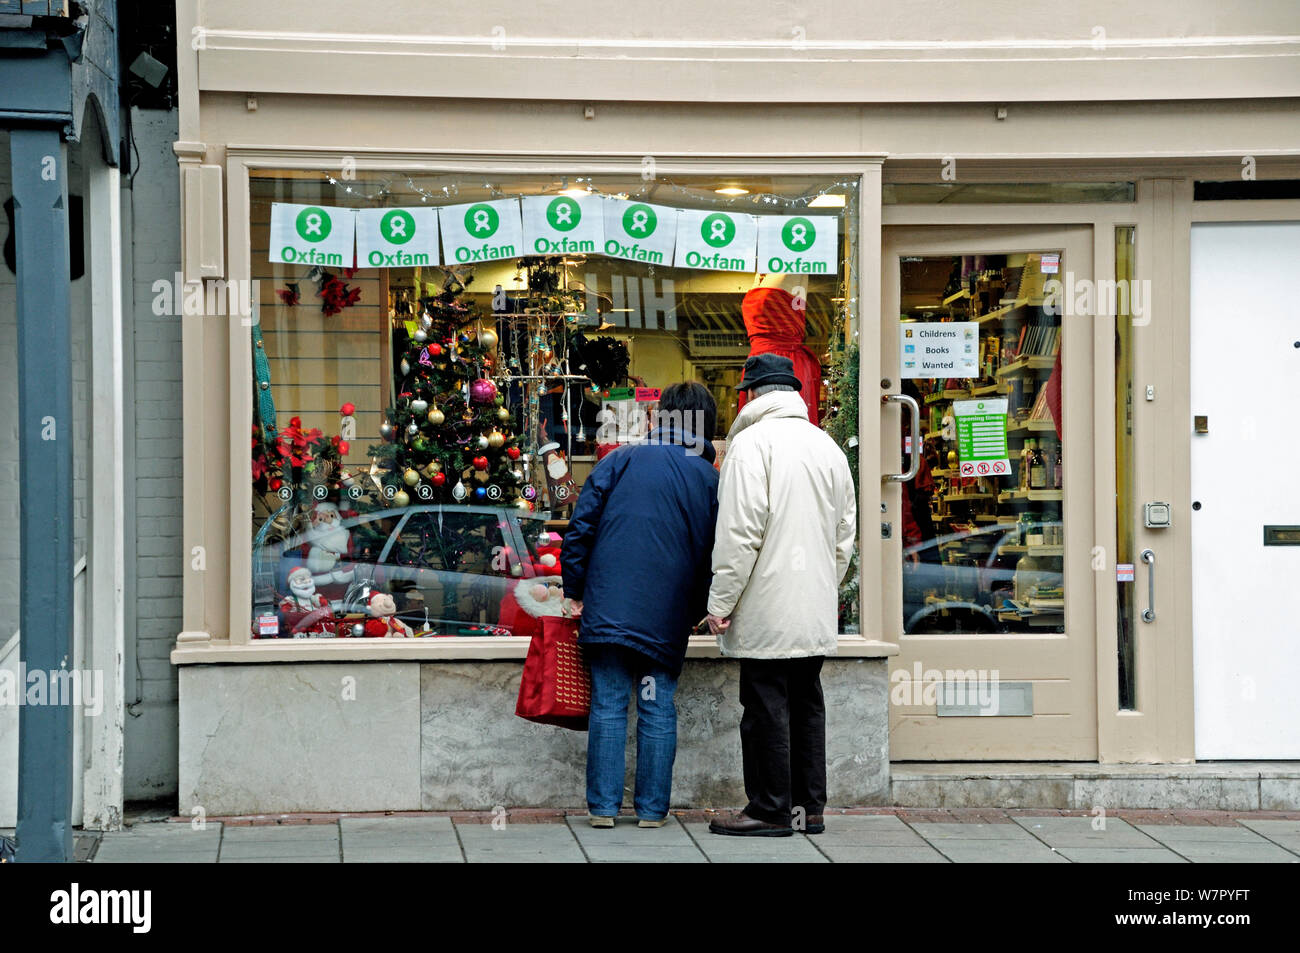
(742,825)
(814,824)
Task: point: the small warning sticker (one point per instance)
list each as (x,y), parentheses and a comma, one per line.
(1123,572)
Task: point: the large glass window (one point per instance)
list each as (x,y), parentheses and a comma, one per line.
(440,360)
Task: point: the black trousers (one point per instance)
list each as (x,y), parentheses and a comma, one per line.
(783,737)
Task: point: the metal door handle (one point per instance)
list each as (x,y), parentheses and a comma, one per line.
(1149,613)
(916,439)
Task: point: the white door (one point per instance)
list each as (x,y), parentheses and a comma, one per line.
(1245,364)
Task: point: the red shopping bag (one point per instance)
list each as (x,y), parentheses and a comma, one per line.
(556,686)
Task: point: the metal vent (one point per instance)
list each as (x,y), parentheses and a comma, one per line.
(717,343)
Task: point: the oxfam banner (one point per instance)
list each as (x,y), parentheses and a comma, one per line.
(311,235)
(560,225)
(716,241)
(397,237)
(798,244)
(638,231)
(481,231)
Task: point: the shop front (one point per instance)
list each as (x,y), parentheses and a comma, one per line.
(454,308)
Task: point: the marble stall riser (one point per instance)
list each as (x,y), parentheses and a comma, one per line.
(444,736)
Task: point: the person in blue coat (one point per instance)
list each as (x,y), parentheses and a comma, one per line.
(635,565)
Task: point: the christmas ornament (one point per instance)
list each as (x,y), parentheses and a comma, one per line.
(479,493)
(482,391)
(413,428)
(517,476)
(480,463)
(420,336)
(495,440)
(438,479)
(523,505)
(400,498)
(419,406)
(276,483)
(512,453)
(434,349)
(358,630)
(426,322)
(458,491)
(347,410)
(420,444)
(488,339)
(503,414)
(483,442)
(432,468)
(436,417)
(405,366)
(386,430)
(410,477)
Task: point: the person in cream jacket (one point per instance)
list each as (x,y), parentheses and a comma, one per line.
(785,534)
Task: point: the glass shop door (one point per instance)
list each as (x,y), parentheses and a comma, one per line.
(987,403)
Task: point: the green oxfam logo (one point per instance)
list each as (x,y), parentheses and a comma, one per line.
(718,230)
(313,224)
(564,214)
(481,221)
(640,220)
(397,227)
(798,234)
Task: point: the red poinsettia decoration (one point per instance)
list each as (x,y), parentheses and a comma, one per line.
(335,293)
(295,444)
(290,294)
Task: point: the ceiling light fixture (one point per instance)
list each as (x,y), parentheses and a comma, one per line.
(732,190)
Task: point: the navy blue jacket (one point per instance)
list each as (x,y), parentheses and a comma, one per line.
(638,548)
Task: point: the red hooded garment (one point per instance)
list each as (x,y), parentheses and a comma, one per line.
(775,327)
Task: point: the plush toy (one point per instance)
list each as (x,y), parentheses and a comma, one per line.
(330,542)
(559,481)
(523,606)
(304,611)
(383,622)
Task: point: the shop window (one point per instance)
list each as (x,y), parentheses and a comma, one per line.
(441,360)
(983,535)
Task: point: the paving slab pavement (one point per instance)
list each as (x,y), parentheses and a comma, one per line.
(875,835)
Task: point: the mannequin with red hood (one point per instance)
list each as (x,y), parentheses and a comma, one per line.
(775,323)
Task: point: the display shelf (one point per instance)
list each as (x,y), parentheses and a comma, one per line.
(963,295)
(985,390)
(1035,550)
(1005,311)
(962,497)
(1034,496)
(1032,426)
(1026,366)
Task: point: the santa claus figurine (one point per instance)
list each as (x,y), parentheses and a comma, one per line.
(330,542)
(523,606)
(383,622)
(304,611)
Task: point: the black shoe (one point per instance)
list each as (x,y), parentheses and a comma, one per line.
(814,824)
(742,825)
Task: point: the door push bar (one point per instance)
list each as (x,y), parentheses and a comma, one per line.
(1149,613)
(916,439)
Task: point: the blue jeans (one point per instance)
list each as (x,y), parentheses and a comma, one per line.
(615,672)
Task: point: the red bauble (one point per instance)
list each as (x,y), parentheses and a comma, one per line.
(439,479)
(480,463)
(512,453)
(276,483)
(347,410)
(434,350)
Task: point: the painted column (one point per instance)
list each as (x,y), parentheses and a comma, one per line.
(39,164)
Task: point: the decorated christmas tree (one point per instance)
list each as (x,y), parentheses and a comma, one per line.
(448,438)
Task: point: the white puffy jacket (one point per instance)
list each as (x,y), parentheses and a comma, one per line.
(786,527)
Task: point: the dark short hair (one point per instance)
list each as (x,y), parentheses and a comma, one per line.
(688,403)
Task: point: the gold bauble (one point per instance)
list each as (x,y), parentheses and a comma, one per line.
(436,417)
(495,440)
(522,504)
(401,498)
(487,338)
(503,414)
(432,468)
(410,477)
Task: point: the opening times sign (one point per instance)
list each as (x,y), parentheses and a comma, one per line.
(704,239)
(982,437)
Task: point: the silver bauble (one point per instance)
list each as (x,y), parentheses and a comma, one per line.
(419,406)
